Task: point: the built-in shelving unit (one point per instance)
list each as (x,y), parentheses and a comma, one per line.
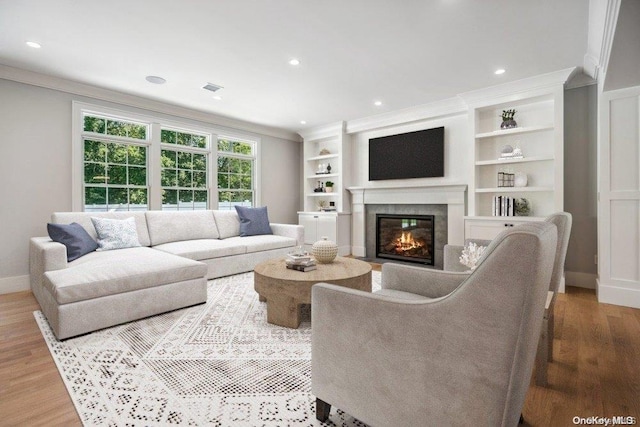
(335,225)
(539,135)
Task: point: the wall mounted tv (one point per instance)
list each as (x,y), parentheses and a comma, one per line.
(417,154)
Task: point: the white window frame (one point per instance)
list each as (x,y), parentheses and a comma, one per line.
(156,123)
(256,143)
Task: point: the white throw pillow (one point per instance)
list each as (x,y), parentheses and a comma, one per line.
(116,233)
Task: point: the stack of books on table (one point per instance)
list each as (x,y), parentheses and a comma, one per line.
(300,262)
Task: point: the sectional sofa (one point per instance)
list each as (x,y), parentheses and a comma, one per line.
(179,251)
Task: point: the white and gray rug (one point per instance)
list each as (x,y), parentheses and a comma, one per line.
(217,364)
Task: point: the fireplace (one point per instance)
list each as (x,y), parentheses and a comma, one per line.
(405,237)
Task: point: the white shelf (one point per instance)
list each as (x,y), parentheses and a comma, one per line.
(513,131)
(323,175)
(513,189)
(508,161)
(502,218)
(323,157)
(334,194)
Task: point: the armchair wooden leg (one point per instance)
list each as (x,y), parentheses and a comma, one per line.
(322,410)
(541,359)
(550,335)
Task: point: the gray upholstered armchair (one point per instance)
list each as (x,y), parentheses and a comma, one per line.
(562,221)
(435,347)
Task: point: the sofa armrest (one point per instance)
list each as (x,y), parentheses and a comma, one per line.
(44,255)
(421,281)
(289,230)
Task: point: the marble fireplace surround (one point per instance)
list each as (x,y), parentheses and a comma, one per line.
(453,196)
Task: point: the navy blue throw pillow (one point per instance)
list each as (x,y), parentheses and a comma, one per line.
(253,221)
(74,237)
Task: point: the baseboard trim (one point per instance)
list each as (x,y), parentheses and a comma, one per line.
(619,296)
(9,285)
(580,280)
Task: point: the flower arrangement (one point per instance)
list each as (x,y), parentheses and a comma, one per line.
(471,254)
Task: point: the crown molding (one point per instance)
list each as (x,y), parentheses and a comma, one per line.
(109,95)
(433,110)
(324,131)
(611,20)
(580,80)
(518,88)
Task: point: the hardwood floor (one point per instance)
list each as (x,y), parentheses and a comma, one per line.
(595,372)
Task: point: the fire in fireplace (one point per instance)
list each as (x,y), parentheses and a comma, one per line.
(405,237)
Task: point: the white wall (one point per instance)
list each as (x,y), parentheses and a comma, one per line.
(35,170)
(457,152)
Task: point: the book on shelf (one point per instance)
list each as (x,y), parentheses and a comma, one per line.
(503,206)
(303,268)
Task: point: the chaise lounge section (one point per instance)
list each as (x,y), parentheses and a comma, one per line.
(179,251)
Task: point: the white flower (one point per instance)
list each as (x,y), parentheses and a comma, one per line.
(471,254)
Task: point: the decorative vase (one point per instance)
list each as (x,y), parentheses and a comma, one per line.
(520,179)
(508,124)
(324,250)
(328,189)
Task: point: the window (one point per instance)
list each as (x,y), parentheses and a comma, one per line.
(128,161)
(184,170)
(115,164)
(236,173)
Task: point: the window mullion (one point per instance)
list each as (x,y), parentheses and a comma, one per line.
(153,167)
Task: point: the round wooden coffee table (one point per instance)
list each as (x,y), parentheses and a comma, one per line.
(285,290)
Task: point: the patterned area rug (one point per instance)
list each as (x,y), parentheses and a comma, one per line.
(216,364)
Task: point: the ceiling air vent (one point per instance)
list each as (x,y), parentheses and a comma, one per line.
(211,87)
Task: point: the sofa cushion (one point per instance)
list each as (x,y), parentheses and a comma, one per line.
(165,227)
(203,248)
(264,242)
(100,274)
(116,233)
(74,237)
(84,219)
(253,221)
(228,223)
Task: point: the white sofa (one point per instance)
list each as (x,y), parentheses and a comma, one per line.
(179,252)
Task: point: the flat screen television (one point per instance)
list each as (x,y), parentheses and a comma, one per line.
(417,154)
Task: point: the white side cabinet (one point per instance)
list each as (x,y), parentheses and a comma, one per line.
(336,226)
(489,228)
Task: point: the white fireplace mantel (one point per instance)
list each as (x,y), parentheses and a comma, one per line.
(454,196)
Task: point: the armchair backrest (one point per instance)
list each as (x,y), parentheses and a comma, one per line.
(506,295)
(562,221)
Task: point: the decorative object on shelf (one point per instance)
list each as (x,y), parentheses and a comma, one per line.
(520,179)
(328,167)
(328,186)
(318,188)
(471,254)
(324,152)
(322,204)
(324,250)
(507,152)
(506,179)
(523,207)
(507,119)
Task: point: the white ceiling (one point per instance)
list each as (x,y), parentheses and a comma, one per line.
(404,52)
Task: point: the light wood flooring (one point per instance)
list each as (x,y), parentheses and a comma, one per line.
(596,371)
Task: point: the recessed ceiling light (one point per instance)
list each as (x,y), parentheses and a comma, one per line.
(294,61)
(34,45)
(303,122)
(377,103)
(500,71)
(217,98)
(156,80)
